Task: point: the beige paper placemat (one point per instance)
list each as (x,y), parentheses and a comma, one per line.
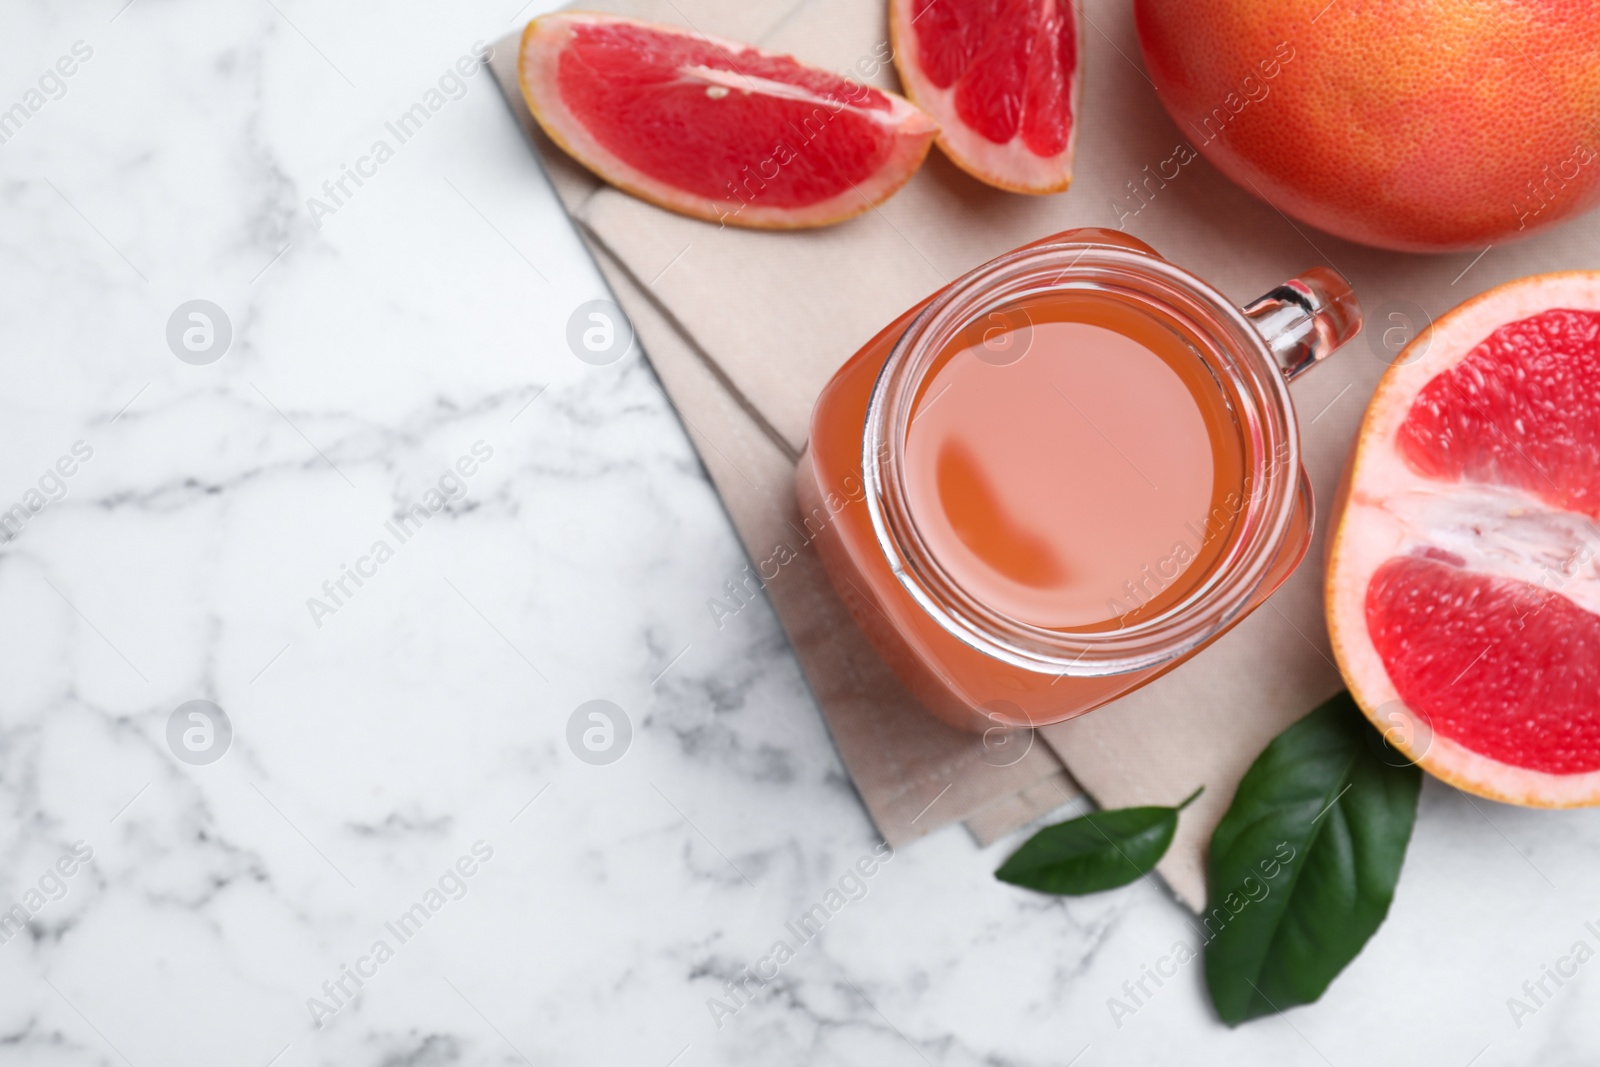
(914,774)
(745,327)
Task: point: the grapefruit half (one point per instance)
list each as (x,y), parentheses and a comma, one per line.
(1002,77)
(716,129)
(1463,586)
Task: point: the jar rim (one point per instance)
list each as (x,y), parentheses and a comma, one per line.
(1234,350)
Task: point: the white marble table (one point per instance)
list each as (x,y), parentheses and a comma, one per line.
(403,742)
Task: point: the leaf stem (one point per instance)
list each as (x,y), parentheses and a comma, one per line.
(1190,799)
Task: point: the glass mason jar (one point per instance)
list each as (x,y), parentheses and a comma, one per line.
(968,659)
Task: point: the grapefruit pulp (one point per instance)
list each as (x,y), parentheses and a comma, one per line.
(1463,587)
(1002,78)
(713,128)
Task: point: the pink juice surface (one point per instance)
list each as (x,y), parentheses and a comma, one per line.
(1073,486)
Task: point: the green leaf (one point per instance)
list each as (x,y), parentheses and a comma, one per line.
(1304,864)
(1094,852)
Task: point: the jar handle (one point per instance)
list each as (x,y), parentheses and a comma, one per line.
(1306,319)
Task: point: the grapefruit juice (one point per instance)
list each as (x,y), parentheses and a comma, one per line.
(1064,473)
(1075,471)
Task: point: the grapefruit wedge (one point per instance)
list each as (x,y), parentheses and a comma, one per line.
(1002,78)
(713,128)
(1463,579)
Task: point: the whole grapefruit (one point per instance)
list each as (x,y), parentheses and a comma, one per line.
(1425,126)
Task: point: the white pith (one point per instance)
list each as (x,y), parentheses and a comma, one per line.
(538,67)
(1508,533)
(1392,511)
(973,152)
(901,111)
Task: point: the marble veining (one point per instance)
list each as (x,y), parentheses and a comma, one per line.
(231,911)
